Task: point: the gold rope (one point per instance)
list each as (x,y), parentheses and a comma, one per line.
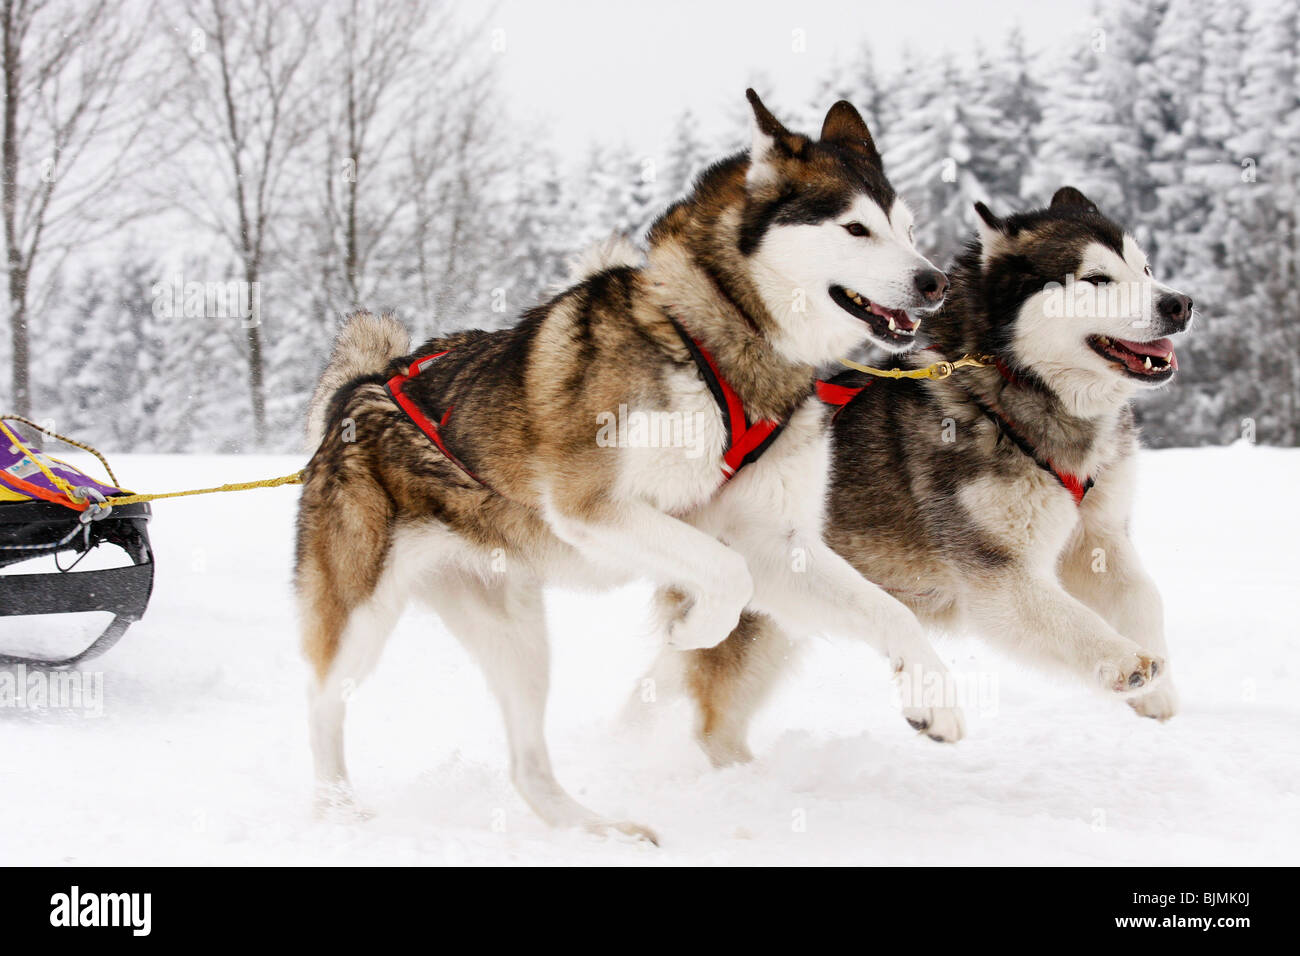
(937,371)
(71,492)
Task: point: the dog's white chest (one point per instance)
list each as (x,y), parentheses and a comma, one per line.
(670,456)
(1031,515)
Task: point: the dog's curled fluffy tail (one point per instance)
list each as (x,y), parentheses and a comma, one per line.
(365,344)
(612,252)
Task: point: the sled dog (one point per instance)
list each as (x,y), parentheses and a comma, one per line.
(998,499)
(479,467)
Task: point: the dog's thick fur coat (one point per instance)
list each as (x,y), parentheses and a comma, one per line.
(933,500)
(753,265)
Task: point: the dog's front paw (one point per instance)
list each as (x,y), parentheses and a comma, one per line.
(706,623)
(1160,704)
(1131,674)
(928,697)
(944,724)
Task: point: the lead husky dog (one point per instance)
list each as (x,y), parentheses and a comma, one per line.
(492,478)
(999,498)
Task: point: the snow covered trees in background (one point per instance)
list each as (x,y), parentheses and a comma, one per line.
(75,100)
(1181,119)
(308,159)
(242,107)
(312,158)
(1259,218)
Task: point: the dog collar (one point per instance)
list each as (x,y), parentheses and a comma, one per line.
(841,395)
(1076,486)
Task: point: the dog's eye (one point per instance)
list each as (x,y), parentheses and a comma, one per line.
(1096,278)
(857,229)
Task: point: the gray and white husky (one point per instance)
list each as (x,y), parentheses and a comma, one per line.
(477,468)
(998,499)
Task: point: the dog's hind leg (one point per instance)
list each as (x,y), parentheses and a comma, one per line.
(728,684)
(503,625)
(350,598)
(359,645)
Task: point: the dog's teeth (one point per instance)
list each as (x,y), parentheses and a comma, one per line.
(1146,362)
(850,293)
(892,326)
(1104,340)
(1169,358)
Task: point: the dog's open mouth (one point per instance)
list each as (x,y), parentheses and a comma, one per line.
(1150,361)
(888,325)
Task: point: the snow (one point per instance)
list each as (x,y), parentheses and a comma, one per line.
(200,753)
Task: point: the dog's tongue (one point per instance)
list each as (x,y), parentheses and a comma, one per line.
(901,318)
(1157,349)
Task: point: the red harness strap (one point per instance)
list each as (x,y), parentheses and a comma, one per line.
(839,395)
(426,425)
(1076,486)
(834,394)
(745,441)
(1073,485)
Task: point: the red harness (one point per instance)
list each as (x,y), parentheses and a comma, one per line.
(839,395)
(1076,486)
(746,441)
(425,423)
(833,393)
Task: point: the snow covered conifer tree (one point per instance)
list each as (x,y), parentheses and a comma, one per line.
(929,152)
(687,157)
(1264,247)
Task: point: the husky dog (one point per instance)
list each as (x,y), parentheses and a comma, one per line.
(482,466)
(999,498)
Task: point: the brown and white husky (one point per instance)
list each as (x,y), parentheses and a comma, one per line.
(474,470)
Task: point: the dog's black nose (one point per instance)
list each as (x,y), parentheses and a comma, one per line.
(932,284)
(1176,310)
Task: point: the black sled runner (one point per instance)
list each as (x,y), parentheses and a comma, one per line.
(52,512)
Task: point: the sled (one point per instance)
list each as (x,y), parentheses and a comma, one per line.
(50,509)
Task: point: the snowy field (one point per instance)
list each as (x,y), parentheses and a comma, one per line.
(200,753)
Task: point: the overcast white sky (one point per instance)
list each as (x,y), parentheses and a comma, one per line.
(623,70)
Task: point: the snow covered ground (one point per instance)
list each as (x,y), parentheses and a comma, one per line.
(199,755)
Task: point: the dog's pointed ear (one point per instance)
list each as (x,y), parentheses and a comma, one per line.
(987,219)
(992,230)
(1067,197)
(770,140)
(764,121)
(845,126)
